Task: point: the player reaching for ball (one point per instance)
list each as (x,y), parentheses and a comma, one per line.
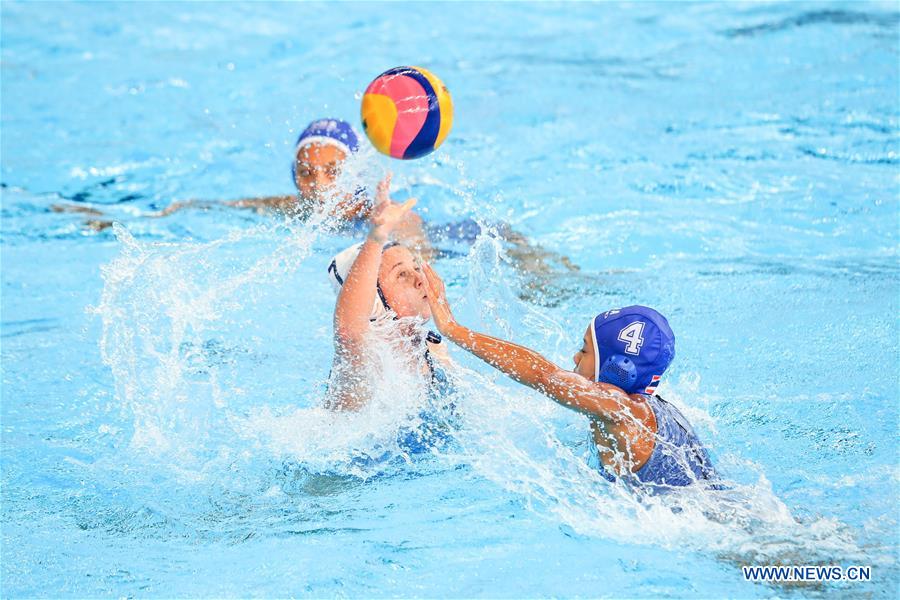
(636,435)
(406,113)
(381,292)
(319,155)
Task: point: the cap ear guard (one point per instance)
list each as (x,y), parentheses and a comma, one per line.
(619,371)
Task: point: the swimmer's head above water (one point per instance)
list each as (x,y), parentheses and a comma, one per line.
(319,155)
(401,285)
(627,347)
(636,434)
(374,278)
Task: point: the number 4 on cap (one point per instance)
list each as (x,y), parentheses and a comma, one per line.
(631,336)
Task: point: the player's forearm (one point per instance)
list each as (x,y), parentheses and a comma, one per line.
(177,206)
(354,304)
(268,202)
(522,364)
(530,368)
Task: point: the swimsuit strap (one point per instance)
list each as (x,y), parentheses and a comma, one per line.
(429,360)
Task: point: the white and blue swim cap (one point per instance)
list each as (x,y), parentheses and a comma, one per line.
(339,268)
(331,132)
(633,347)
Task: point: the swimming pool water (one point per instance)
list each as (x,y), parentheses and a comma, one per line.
(734,165)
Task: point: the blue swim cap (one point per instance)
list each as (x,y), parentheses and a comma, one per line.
(633,347)
(333,132)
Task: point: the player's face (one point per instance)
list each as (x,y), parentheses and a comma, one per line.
(318,167)
(403,284)
(584,358)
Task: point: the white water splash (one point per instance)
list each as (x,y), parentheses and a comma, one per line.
(162,303)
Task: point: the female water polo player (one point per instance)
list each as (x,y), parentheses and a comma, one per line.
(319,154)
(638,435)
(379,280)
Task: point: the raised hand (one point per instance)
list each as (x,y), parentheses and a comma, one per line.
(437,300)
(383,191)
(387,214)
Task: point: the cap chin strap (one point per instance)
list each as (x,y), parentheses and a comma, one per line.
(432,336)
(384,301)
(596,350)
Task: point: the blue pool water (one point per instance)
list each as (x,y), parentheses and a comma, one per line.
(734,165)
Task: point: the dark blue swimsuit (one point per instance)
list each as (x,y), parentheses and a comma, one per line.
(437,419)
(678,457)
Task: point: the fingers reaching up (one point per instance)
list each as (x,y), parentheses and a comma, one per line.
(383,192)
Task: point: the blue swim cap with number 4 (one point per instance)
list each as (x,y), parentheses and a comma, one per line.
(633,347)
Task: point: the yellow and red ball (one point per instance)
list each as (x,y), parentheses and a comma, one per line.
(407,112)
